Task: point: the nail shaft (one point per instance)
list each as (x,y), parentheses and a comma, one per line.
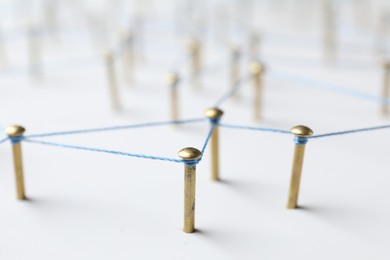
(257,101)
(189,198)
(296,174)
(112,82)
(214,115)
(18,165)
(235,68)
(215,154)
(172,80)
(174,102)
(257,70)
(15,133)
(194,50)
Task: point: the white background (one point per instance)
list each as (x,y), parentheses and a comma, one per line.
(86,205)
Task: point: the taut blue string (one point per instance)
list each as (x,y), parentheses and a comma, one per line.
(213,124)
(104,129)
(329,87)
(3,140)
(351,131)
(261,129)
(2,132)
(300,140)
(106,151)
(297,139)
(236,86)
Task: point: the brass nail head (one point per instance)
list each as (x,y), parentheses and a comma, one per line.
(171,78)
(301,130)
(213,113)
(256,68)
(15,130)
(190,154)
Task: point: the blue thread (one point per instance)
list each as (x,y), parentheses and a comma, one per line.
(16,140)
(195,162)
(2,132)
(261,129)
(192,162)
(106,151)
(329,87)
(351,131)
(297,139)
(4,140)
(311,137)
(300,140)
(104,129)
(236,86)
(213,124)
(214,121)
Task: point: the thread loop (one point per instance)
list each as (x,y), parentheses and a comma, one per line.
(16,139)
(300,140)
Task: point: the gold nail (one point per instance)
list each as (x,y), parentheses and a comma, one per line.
(194,49)
(235,67)
(112,82)
(172,79)
(15,133)
(385,89)
(190,156)
(214,114)
(301,137)
(257,70)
